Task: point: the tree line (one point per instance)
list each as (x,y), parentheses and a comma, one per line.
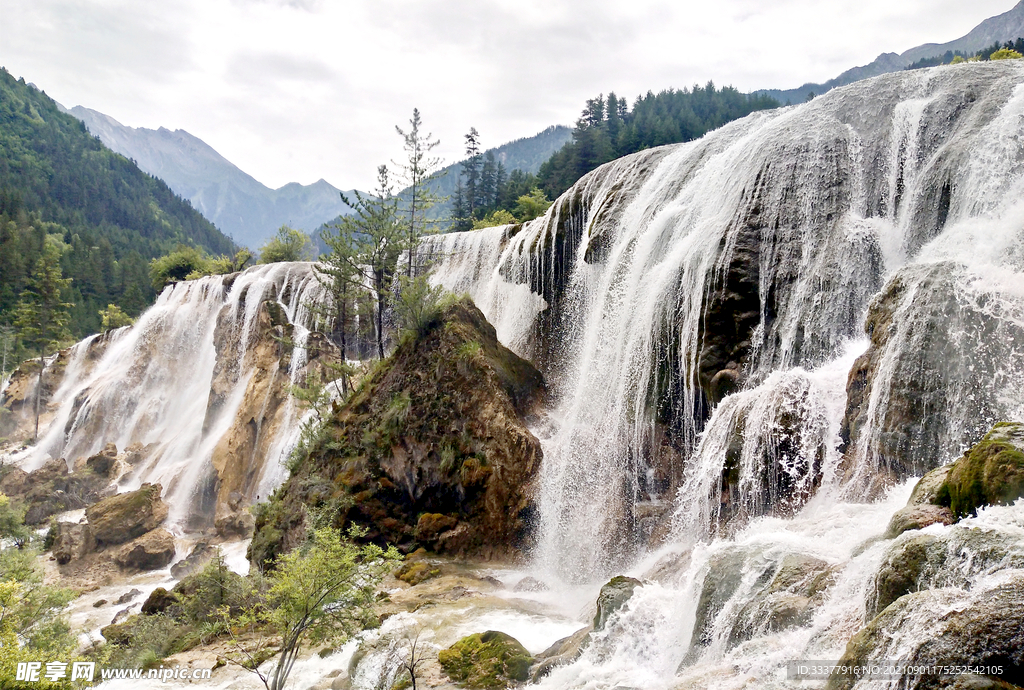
(608,129)
(996,51)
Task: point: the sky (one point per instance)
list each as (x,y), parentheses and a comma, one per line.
(298,90)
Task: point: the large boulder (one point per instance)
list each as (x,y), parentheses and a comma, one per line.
(52,489)
(953,558)
(946,627)
(990,473)
(432,450)
(489,660)
(614,594)
(71,541)
(152,551)
(123,517)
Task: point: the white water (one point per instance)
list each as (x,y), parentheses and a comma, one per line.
(176,379)
(836,197)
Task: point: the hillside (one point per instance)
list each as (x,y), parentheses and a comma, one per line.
(56,179)
(238,204)
(1003,27)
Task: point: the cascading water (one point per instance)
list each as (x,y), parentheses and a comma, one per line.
(666,279)
(178,382)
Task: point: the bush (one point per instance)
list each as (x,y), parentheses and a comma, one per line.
(288,244)
(112,317)
(1005,54)
(419,304)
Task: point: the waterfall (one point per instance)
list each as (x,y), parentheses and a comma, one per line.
(684,296)
(176,384)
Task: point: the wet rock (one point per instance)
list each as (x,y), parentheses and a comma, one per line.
(121,616)
(436,434)
(98,603)
(954,558)
(725,572)
(614,594)
(486,660)
(990,473)
(127,596)
(71,542)
(415,572)
(948,628)
(51,489)
(200,555)
(926,491)
(561,653)
(935,342)
(530,584)
(119,518)
(917,517)
(152,551)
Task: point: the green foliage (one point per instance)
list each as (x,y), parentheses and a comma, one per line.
(417,199)
(57,179)
(12,523)
(31,625)
(288,244)
(113,317)
(419,304)
(608,129)
(1005,54)
(532,205)
(189,263)
(318,594)
(499,217)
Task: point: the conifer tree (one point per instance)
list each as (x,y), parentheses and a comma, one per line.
(471,168)
(418,166)
(42,316)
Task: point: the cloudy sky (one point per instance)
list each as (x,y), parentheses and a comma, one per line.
(296,90)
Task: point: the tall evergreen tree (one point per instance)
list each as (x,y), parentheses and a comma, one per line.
(42,315)
(471,169)
(417,167)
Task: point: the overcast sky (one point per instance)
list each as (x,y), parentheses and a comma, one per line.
(296,90)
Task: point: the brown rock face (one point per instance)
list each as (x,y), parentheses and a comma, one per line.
(72,542)
(431,451)
(52,489)
(123,517)
(151,551)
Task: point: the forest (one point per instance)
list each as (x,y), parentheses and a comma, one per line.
(60,186)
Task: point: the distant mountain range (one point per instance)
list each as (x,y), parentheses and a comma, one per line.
(1007,26)
(239,205)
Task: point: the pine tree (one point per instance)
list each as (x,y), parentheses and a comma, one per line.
(418,166)
(471,168)
(375,238)
(42,316)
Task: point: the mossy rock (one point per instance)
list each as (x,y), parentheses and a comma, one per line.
(990,473)
(415,572)
(486,660)
(615,593)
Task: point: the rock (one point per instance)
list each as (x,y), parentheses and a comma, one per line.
(127,596)
(415,572)
(152,551)
(158,601)
(432,450)
(103,462)
(71,541)
(530,584)
(614,594)
(486,660)
(953,558)
(725,572)
(986,629)
(936,342)
(200,555)
(123,517)
(917,517)
(926,491)
(561,653)
(430,526)
(122,615)
(990,473)
(98,603)
(237,525)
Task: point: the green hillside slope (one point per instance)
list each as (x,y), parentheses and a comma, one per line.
(109,217)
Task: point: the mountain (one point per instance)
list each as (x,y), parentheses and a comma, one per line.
(1007,26)
(244,208)
(110,217)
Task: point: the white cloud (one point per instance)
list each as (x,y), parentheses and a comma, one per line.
(295,90)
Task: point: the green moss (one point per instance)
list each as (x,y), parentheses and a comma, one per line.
(416,572)
(990,473)
(486,660)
